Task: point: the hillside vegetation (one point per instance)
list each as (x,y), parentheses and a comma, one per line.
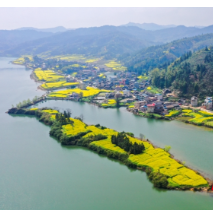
(191,74)
(162,55)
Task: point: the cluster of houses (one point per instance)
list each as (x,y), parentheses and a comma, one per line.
(91,77)
(207,104)
(127,86)
(155,104)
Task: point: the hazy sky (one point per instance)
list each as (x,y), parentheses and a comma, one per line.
(12,18)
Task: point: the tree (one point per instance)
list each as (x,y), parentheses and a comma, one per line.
(167,148)
(123,141)
(117,102)
(81,94)
(141,136)
(81,117)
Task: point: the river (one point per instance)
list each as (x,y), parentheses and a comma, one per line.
(38,173)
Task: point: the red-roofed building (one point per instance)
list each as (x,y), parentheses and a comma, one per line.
(150,107)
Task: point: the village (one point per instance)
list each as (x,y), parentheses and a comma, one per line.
(132,90)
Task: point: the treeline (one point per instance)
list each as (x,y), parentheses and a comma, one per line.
(27,102)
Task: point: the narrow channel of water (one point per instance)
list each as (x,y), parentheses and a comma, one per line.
(38,173)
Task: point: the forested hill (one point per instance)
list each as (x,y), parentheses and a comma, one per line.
(107,41)
(11,38)
(160,56)
(191,74)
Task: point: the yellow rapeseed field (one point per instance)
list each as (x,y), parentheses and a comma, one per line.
(34,109)
(77,127)
(186,110)
(160,161)
(50,111)
(90,91)
(204,113)
(172,113)
(155,158)
(21,60)
(111,102)
(53,85)
(47,75)
(115,66)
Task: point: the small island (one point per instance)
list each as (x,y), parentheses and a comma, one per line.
(164,171)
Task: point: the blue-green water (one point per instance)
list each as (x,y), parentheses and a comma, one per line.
(38,173)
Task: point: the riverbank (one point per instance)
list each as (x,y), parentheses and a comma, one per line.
(86,136)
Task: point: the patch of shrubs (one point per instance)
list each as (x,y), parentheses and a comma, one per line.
(86,141)
(123,141)
(159,180)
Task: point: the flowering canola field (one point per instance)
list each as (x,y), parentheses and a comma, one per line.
(111,102)
(54,85)
(90,91)
(115,66)
(160,161)
(172,113)
(155,158)
(21,60)
(200,117)
(47,75)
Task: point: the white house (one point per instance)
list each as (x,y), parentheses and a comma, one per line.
(208,103)
(126,92)
(194,101)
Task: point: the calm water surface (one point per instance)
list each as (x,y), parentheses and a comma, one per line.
(38,173)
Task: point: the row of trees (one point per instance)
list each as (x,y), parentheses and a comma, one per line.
(26,102)
(123,141)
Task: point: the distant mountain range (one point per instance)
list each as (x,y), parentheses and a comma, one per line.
(149,26)
(107,41)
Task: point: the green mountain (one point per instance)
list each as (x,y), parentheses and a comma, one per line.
(162,55)
(191,74)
